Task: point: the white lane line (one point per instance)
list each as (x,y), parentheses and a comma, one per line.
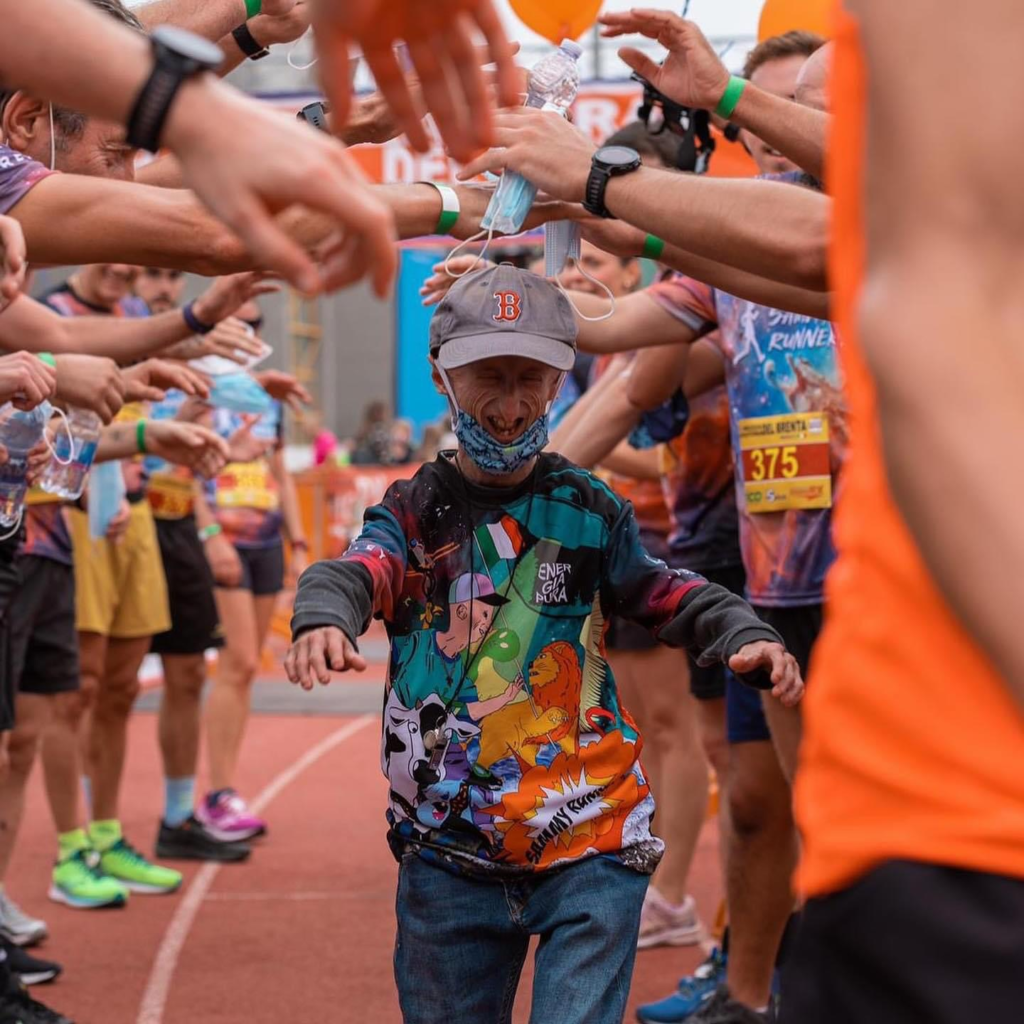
(158,986)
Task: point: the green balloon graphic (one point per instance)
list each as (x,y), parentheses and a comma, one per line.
(502,646)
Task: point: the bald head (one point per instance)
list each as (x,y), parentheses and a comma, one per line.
(812,82)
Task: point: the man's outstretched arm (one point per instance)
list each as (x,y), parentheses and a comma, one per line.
(941,310)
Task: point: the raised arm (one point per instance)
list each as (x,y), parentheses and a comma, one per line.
(211,19)
(767,228)
(694,75)
(941,306)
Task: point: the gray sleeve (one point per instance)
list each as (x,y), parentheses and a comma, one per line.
(334,593)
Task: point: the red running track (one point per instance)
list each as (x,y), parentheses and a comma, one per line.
(302,932)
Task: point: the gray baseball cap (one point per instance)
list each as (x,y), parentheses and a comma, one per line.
(503,311)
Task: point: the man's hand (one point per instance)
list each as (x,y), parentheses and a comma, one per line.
(319,652)
(276,8)
(248,162)
(225,564)
(439,36)
(242,446)
(26,380)
(543,147)
(13,263)
(692,75)
(39,456)
(148,381)
(787,686)
(284,388)
(269,29)
(118,525)
(187,444)
(231,339)
(614,236)
(91,382)
(437,286)
(227,294)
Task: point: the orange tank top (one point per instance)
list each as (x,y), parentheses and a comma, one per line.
(913,747)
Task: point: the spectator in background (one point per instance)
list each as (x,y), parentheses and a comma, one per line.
(325,442)
(374,439)
(400,450)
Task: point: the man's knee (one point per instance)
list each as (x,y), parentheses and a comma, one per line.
(116,697)
(759,796)
(22,747)
(184,678)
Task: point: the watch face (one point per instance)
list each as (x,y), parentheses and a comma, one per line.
(189,46)
(618,156)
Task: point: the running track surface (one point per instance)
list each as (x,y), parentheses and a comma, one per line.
(302,931)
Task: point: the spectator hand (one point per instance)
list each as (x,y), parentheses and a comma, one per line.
(227,294)
(118,526)
(773,658)
(314,655)
(437,286)
(91,382)
(187,444)
(439,39)
(25,379)
(243,447)
(147,381)
(284,387)
(224,561)
(542,146)
(13,264)
(692,75)
(268,29)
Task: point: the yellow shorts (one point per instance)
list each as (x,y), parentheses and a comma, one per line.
(120,590)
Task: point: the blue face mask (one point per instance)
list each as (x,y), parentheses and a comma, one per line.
(491,455)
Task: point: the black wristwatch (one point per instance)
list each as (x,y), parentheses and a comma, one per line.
(177,56)
(609,162)
(247,44)
(315,114)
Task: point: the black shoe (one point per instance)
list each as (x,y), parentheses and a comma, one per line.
(191,841)
(18,1007)
(31,969)
(721,1008)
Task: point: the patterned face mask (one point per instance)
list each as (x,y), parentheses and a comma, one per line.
(491,455)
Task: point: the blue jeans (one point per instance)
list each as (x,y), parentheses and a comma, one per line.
(462,942)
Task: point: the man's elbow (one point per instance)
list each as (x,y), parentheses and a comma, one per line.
(808,260)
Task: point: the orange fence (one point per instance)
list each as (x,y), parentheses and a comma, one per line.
(333,500)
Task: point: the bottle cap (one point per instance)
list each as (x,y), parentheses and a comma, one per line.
(572,48)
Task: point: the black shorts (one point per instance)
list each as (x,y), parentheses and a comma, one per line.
(800,628)
(262,570)
(195,625)
(708,682)
(43,642)
(910,943)
(10,581)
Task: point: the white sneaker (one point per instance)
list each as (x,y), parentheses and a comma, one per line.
(667,924)
(18,927)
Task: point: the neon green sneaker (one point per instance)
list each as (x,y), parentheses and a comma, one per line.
(78,882)
(123,862)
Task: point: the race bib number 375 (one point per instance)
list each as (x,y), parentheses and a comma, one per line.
(786,462)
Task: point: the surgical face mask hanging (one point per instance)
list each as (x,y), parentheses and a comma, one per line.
(563,241)
(53,143)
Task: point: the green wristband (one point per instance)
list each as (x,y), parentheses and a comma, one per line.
(47,357)
(252,8)
(140,436)
(653,247)
(209,531)
(731,97)
(450,208)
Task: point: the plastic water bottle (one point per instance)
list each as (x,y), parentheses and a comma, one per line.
(106,492)
(77,451)
(20,432)
(553,84)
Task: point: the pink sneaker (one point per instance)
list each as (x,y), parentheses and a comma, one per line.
(226,816)
(665,924)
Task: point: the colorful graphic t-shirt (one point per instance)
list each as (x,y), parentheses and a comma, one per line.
(504,742)
(698,488)
(244,496)
(169,488)
(18,173)
(789,430)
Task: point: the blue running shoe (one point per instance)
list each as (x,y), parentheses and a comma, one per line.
(693,992)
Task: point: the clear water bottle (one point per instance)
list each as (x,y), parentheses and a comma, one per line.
(72,455)
(553,84)
(20,432)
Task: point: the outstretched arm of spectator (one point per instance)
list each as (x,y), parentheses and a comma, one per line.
(767,228)
(939,271)
(211,19)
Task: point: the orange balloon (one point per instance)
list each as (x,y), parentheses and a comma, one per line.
(780,16)
(557,19)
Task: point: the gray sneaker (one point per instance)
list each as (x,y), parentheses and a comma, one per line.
(18,927)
